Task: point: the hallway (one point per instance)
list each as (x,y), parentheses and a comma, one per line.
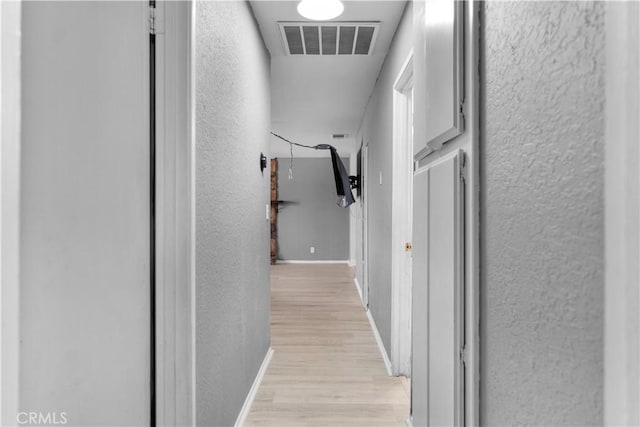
(492,152)
(326,367)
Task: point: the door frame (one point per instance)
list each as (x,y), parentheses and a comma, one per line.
(365,225)
(622,215)
(175,213)
(10,122)
(401,217)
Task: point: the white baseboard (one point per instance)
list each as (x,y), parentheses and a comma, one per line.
(383,352)
(296,261)
(244,412)
(357,284)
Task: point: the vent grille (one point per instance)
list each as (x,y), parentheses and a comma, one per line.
(335,38)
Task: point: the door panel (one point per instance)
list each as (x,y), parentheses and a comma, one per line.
(419,298)
(85,303)
(437,287)
(445,312)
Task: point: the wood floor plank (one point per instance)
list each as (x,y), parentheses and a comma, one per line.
(326,368)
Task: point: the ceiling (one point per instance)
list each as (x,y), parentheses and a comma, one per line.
(315,96)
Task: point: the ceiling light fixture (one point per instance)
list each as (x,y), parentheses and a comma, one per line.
(320,10)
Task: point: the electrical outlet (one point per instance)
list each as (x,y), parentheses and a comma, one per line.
(312,249)
(267,212)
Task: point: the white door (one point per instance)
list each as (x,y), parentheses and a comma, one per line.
(408,268)
(438,299)
(85,210)
(419,299)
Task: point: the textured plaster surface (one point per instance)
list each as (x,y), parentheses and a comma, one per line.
(377,131)
(311,216)
(542,242)
(232,234)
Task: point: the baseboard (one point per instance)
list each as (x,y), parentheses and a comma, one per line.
(409,421)
(244,412)
(357,284)
(283,261)
(383,352)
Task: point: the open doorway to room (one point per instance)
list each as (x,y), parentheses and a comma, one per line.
(401,213)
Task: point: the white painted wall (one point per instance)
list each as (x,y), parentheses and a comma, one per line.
(84,232)
(543,213)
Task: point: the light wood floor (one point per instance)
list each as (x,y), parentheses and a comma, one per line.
(326,368)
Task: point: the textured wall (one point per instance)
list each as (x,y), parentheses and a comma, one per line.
(232,235)
(312,218)
(377,131)
(542,242)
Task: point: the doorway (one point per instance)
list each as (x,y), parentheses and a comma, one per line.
(401,214)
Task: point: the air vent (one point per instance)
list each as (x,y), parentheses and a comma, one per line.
(339,136)
(335,38)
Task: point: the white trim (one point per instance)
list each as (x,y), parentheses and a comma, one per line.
(175,376)
(364,183)
(472,214)
(174,310)
(192,215)
(253,391)
(165,232)
(357,285)
(622,215)
(10,119)
(383,352)
(295,261)
(409,421)
(401,214)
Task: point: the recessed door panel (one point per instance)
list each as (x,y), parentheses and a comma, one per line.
(419,299)
(438,305)
(85,233)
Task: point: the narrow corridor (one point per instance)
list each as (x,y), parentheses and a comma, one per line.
(326,367)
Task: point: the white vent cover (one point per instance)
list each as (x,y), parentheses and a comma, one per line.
(329,38)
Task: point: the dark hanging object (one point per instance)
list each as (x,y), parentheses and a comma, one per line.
(354,180)
(340,175)
(263,162)
(343,184)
